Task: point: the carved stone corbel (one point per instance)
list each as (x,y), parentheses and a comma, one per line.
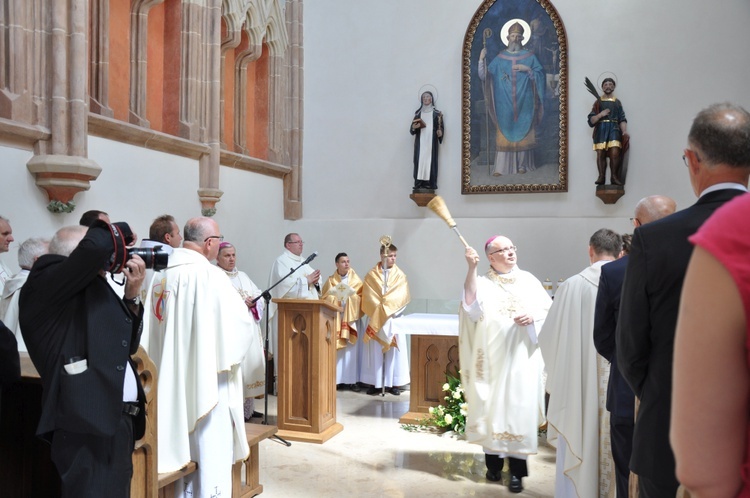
(62,177)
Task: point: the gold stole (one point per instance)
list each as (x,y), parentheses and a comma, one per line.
(380,307)
(352,311)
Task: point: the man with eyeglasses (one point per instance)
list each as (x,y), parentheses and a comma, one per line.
(574,373)
(718,161)
(620,398)
(501,366)
(197,331)
(303,284)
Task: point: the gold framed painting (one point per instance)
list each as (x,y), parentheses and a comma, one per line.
(514,99)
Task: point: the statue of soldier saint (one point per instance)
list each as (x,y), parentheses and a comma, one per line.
(607,118)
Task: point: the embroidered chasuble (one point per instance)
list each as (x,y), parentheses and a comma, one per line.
(379,306)
(501,366)
(197,331)
(346,321)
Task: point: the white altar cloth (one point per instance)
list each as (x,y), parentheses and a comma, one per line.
(426,324)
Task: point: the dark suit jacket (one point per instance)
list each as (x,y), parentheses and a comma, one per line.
(659,256)
(67,309)
(620,398)
(10,363)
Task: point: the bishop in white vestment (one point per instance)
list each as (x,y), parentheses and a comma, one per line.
(254,364)
(501,366)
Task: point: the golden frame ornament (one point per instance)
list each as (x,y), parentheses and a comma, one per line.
(538,160)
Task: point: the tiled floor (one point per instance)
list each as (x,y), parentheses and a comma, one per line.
(373,457)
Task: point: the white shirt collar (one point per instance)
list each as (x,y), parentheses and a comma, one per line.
(722,186)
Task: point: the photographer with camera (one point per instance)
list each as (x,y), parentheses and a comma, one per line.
(80,336)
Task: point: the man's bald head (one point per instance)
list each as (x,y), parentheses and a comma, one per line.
(654,207)
(66,239)
(202,235)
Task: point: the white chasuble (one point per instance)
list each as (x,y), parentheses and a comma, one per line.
(575,372)
(501,366)
(197,331)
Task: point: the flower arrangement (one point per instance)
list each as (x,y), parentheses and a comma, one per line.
(453,415)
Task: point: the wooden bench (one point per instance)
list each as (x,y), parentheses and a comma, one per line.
(146,483)
(251,487)
(167,480)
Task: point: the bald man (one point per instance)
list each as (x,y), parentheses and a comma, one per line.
(80,336)
(197,331)
(620,398)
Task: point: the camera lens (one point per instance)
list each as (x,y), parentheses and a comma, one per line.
(155,257)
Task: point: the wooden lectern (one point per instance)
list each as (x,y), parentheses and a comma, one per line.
(307,370)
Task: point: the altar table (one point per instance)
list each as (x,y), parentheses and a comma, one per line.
(434,351)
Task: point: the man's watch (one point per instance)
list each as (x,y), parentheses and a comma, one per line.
(136,301)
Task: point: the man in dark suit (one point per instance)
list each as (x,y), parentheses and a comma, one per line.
(80,336)
(718,162)
(620,398)
(10,363)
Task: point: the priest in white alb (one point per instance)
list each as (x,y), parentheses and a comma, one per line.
(302,284)
(501,367)
(197,331)
(344,288)
(577,380)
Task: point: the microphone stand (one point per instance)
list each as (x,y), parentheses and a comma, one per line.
(266,295)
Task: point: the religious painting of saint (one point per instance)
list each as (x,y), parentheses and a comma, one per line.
(514,101)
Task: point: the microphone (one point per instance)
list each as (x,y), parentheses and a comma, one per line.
(310,257)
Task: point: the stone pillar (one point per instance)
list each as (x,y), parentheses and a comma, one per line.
(208,192)
(60,165)
(294,109)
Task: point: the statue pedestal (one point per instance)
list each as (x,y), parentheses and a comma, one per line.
(421,196)
(609,194)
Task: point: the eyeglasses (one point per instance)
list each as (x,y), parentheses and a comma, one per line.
(504,250)
(684,156)
(296,242)
(220,237)
(635,221)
